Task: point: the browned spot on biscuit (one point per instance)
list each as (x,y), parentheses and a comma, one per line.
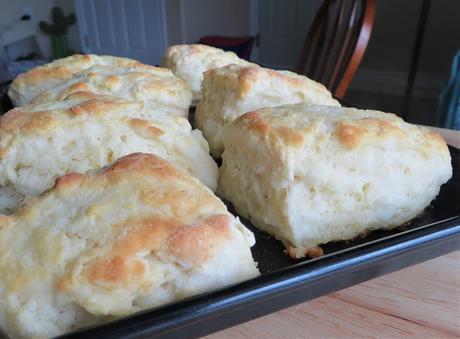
(147,234)
(193,48)
(220,221)
(116,270)
(4,220)
(349,135)
(290,136)
(40,121)
(260,127)
(12,119)
(251,116)
(312,252)
(291,251)
(97,104)
(195,244)
(112,80)
(35,75)
(145,129)
(141,162)
(63,284)
(246,79)
(121,264)
(86,107)
(67,180)
(79,86)
(159,85)
(352,134)
(255,123)
(382,127)
(55,70)
(291,79)
(21,120)
(209,72)
(192,244)
(85,57)
(111,270)
(94,106)
(181,202)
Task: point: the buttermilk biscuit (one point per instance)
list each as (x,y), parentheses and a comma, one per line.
(85,131)
(39,79)
(137,234)
(190,61)
(156,86)
(230,91)
(312,174)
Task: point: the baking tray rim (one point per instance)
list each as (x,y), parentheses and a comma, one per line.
(370,259)
(177,317)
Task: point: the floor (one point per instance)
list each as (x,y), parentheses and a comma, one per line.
(422,110)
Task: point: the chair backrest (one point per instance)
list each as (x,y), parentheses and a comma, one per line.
(336,42)
(242,46)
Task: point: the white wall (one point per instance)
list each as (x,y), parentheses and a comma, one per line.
(13,9)
(215,17)
(186,20)
(189,20)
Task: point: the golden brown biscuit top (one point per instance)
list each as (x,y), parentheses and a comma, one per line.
(65,68)
(140,82)
(76,110)
(351,127)
(39,79)
(28,118)
(159,211)
(246,77)
(195,50)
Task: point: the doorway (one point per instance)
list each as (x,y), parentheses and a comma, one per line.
(126,28)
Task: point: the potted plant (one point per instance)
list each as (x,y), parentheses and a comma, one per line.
(58,31)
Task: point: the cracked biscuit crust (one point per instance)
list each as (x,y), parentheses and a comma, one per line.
(37,80)
(133,235)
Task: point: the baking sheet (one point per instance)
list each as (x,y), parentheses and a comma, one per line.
(285,282)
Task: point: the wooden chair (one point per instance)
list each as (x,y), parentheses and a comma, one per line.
(336,42)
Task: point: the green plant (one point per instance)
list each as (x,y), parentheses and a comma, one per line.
(58,31)
(60,22)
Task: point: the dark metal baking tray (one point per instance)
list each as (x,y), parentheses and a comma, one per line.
(285,282)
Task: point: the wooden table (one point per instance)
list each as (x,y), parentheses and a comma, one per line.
(420,301)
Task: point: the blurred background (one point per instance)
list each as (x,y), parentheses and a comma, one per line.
(142,29)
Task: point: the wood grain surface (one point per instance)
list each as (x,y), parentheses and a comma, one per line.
(422,301)
(452,137)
